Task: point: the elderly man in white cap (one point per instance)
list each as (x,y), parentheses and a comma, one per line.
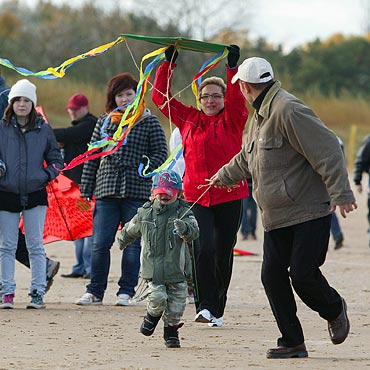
(299,178)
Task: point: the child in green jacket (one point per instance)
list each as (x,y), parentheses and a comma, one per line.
(166,224)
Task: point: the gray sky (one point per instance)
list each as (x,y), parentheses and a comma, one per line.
(294,22)
(290,22)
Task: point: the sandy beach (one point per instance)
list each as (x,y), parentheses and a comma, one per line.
(67,336)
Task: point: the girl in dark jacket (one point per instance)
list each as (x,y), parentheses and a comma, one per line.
(26,143)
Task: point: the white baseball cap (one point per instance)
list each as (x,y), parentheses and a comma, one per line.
(254,70)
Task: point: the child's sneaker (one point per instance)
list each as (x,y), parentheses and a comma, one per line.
(89,299)
(149,324)
(171,336)
(36,300)
(7,301)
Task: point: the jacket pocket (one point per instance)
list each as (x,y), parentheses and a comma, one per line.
(271,152)
(37,181)
(274,194)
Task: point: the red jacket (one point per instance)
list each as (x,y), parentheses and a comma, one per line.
(208,142)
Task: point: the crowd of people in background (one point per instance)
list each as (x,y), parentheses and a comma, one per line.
(285,164)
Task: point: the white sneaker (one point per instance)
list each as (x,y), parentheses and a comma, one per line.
(203,316)
(191,299)
(89,299)
(124,300)
(216,322)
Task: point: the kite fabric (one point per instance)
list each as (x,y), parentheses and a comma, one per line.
(240,252)
(180,43)
(68,216)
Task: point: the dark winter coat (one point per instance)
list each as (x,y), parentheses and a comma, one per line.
(75,140)
(116,175)
(165,256)
(24,154)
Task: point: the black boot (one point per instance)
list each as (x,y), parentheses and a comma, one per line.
(149,324)
(171,336)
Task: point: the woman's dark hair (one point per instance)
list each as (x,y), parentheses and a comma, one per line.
(32,117)
(116,84)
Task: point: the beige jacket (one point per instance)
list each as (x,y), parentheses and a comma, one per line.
(295,161)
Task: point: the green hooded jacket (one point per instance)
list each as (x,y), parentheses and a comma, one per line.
(165,256)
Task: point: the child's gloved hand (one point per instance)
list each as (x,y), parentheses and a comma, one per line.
(122,245)
(180,226)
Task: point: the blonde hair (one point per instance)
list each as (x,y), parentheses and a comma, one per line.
(212,81)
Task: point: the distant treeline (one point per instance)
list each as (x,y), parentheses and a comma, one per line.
(47,35)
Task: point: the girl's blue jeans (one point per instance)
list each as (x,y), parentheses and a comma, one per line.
(34,230)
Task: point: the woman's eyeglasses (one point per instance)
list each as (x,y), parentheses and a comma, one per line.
(206,97)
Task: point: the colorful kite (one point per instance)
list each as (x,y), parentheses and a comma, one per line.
(132,111)
(68,217)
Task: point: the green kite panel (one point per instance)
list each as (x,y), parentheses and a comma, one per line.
(181,42)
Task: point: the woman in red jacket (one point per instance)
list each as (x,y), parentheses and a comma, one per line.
(210,138)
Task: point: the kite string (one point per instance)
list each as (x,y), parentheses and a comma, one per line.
(199,198)
(208,186)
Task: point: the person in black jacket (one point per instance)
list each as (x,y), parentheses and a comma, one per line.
(74,140)
(362,164)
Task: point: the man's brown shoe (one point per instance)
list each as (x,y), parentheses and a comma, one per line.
(287,352)
(339,327)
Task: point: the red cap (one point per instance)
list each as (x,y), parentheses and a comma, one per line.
(77,101)
(164,190)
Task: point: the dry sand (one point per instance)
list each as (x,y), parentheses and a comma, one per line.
(67,336)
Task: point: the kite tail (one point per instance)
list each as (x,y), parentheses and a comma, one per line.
(59,72)
(169,163)
(207,66)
